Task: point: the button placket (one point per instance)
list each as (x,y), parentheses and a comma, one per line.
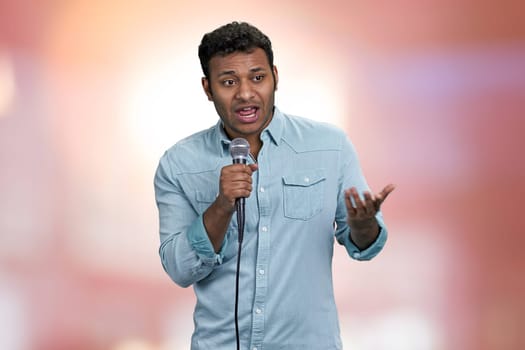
(263,250)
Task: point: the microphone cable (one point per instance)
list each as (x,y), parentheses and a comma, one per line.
(240,226)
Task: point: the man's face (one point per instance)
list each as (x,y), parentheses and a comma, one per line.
(242,88)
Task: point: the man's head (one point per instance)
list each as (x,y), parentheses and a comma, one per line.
(230,38)
(240,79)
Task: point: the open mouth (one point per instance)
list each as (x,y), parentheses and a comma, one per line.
(247,114)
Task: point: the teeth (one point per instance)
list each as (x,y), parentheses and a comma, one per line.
(248,112)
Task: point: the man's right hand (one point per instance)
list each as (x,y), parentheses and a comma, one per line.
(235,182)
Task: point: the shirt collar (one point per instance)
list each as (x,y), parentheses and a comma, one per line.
(275,128)
(222,138)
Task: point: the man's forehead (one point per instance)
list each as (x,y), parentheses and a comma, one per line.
(254,59)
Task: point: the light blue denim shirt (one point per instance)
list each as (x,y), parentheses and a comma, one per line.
(293,215)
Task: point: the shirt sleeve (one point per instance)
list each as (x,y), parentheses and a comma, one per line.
(351,175)
(186,252)
(371,251)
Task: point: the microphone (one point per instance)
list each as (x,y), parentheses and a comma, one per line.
(239,150)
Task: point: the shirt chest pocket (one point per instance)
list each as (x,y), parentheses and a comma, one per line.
(303,194)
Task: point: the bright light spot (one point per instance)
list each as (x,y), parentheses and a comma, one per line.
(13,325)
(134,344)
(307,98)
(164,102)
(7,83)
(177,317)
(397,330)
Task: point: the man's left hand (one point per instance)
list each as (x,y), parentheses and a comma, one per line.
(361,214)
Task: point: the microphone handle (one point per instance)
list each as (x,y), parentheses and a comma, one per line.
(240,200)
(240,204)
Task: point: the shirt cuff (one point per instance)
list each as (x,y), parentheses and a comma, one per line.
(200,242)
(372,250)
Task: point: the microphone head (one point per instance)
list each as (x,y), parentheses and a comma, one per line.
(239,150)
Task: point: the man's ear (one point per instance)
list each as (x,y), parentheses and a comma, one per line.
(207,90)
(275,77)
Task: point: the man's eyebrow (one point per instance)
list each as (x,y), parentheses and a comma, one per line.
(232,72)
(226,72)
(257,69)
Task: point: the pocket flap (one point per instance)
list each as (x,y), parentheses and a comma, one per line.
(305,178)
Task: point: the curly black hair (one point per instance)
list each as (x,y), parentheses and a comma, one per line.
(232,37)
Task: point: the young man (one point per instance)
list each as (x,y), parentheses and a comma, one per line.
(303,187)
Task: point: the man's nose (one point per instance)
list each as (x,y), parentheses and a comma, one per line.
(245,90)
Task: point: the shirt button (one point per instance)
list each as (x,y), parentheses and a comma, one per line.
(306,179)
(261,271)
(357,255)
(262,189)
(258,311)
(264,228)
(254,348)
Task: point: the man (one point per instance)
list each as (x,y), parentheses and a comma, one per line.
(303,187)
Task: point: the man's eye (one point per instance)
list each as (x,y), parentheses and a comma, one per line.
(258,77)
(228,82)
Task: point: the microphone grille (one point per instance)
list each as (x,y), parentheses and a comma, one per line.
(239,148)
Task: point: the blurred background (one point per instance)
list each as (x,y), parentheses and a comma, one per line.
(431,92)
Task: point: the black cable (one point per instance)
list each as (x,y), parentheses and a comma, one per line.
(240,226)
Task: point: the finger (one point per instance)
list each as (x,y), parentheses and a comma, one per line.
(238,168)
(369,203)
(381,196)
(236,181)
(349,206)
(385,192)
(243,192)
(238,171)
(238,186)
(359,205)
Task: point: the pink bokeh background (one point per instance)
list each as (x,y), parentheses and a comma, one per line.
(432,93)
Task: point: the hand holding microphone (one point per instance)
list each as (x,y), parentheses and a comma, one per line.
(240,150)
(236,179)
(235,182)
